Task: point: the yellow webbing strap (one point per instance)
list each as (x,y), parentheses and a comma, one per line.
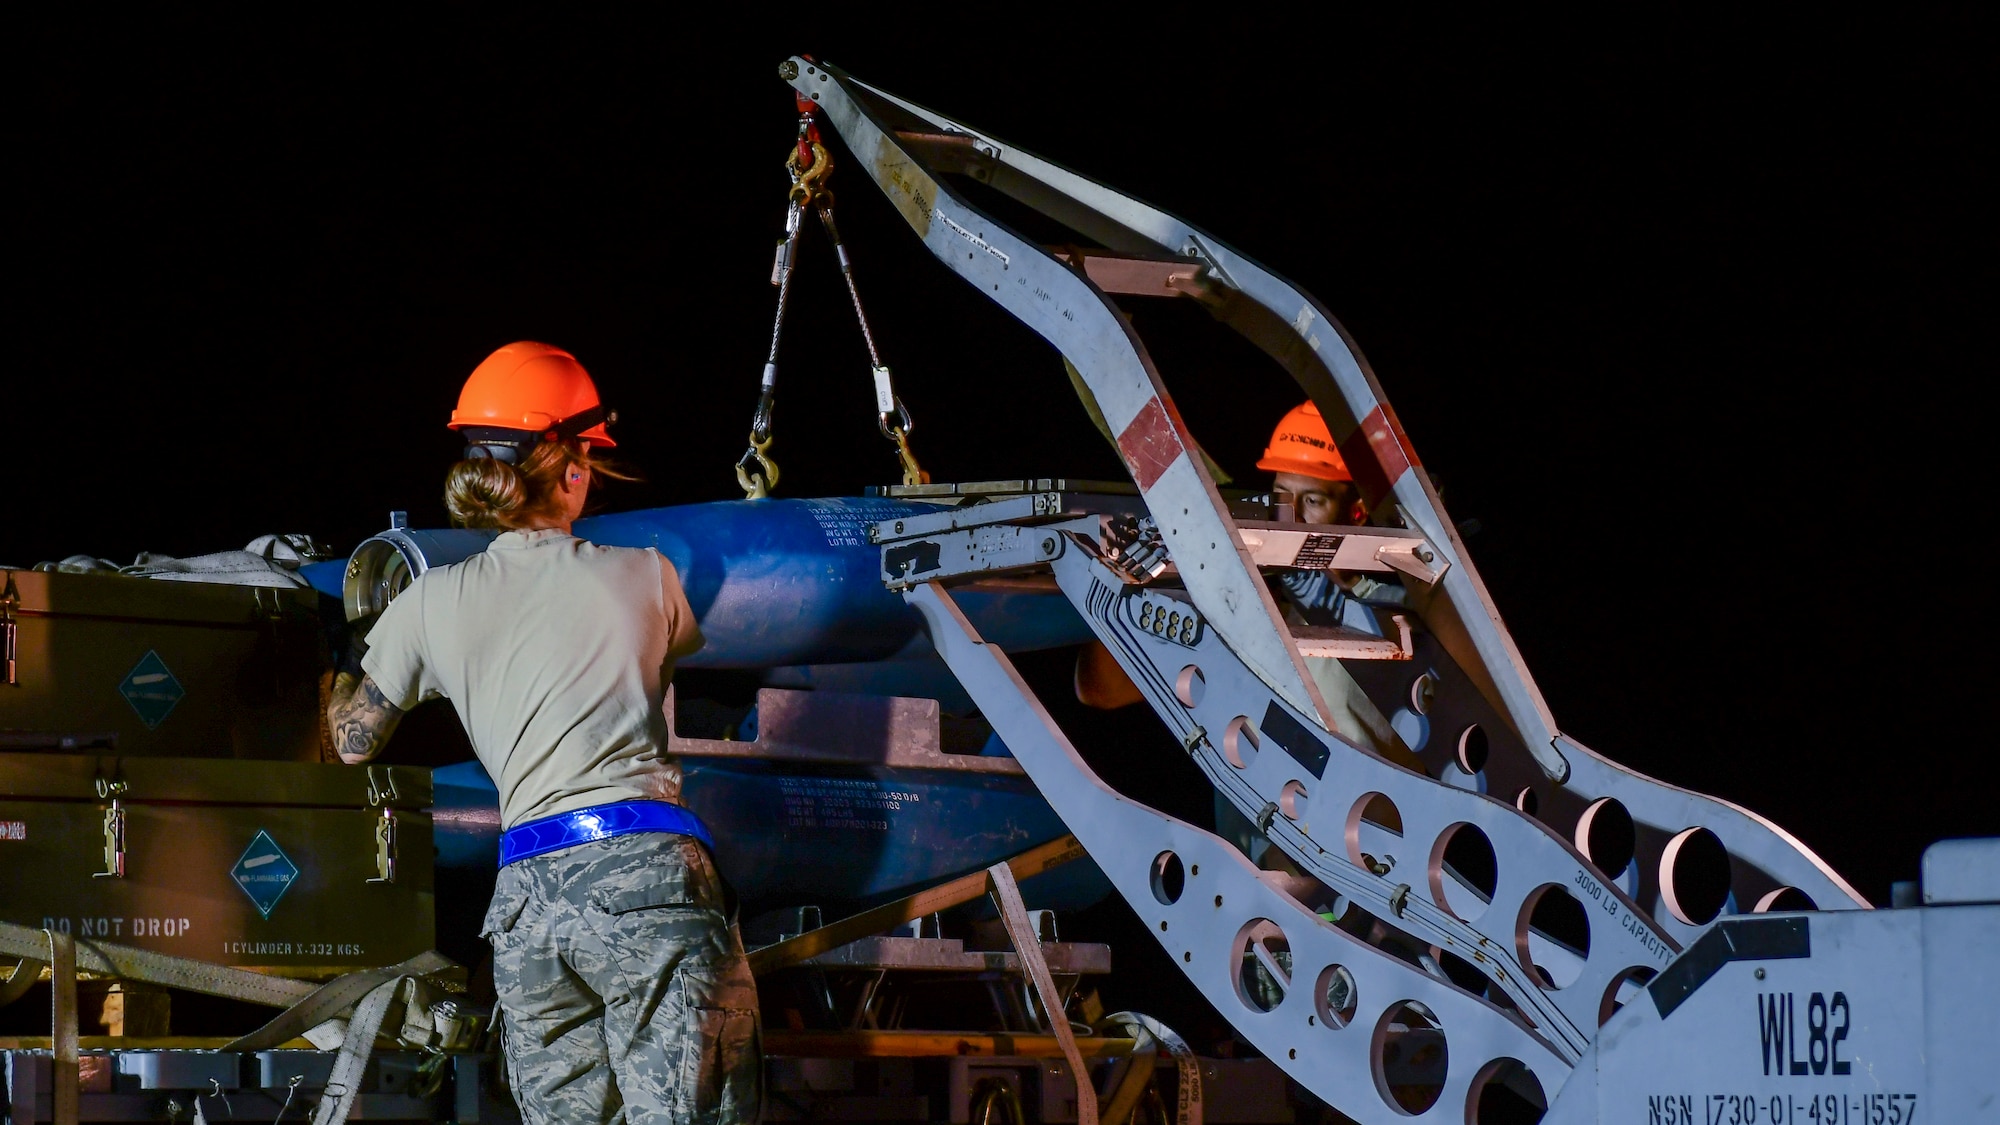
(930,900)
(1133,1084)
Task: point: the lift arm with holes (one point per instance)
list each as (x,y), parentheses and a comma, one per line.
(914,155)
(1521,996)
(1312,794)
(1208,906)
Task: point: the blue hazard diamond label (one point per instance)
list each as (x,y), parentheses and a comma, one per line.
(264,872)
(151,689)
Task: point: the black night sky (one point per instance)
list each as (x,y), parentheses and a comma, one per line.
(1681,309)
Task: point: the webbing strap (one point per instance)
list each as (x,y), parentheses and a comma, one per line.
(1132,1085)
(25,975)
(1028,945)
(127,963)
(64,1088)
(345,1082)
(930,900)
(333,998)
(1189,1068)
(305,1005)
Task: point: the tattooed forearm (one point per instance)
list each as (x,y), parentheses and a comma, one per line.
(360,718)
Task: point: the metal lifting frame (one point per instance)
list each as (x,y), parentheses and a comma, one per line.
(1231,680)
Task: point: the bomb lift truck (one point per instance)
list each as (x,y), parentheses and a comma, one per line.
(1523,923)
(1480,920)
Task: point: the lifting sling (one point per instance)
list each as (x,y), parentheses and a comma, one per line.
(810,166)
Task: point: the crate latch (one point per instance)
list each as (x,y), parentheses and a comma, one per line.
(114,830)
(385,847)
(383,793)
(378,793)
(10,600)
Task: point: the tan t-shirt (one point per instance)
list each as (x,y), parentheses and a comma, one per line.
(556,653)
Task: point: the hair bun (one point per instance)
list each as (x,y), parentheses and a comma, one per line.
(483,492)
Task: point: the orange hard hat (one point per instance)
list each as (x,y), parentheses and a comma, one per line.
(1302,445)
(526,393)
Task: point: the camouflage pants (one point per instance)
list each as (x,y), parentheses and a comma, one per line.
(623,990)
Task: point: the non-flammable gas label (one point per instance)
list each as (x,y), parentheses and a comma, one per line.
(151,689)
(264,872)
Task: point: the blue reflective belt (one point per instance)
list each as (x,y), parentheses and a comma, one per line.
(598,822)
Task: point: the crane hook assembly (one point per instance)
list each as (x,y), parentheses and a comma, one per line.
(810,166)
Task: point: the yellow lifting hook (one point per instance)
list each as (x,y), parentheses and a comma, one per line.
(808,185)
(757,487)
(912,473)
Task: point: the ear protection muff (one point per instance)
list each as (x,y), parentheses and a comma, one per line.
(513,446)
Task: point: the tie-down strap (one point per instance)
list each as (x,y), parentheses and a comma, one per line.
(128,963)
(369,995)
